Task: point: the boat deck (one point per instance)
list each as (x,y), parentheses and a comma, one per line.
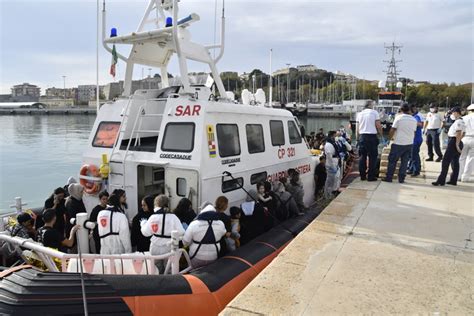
(378,248)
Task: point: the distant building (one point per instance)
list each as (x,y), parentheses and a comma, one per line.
(57,102)
(339,75)
(25,93)
(306,68)
(85,93)
(229,74)
(280,72)
(70,93)
(418,83)
(114,89)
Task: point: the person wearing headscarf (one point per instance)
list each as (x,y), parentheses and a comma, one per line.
(254,222)
(287,206)
(70,180)
(74,204)
(184,211)
(139,241)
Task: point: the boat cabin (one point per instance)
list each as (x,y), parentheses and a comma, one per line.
(161,142)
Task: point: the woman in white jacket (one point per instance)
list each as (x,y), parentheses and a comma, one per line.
(203,236)
(114,232)
(333,180)
(159,226)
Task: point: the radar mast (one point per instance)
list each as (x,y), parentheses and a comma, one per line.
(392,70)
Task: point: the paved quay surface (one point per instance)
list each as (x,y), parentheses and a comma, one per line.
(378,248)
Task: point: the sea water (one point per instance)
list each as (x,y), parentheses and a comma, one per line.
(39,153)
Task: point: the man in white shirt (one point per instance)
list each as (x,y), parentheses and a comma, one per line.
(404,128)
(453,151)
(432,129)
(368,124)
(466,160)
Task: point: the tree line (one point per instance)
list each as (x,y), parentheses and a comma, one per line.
(321,86)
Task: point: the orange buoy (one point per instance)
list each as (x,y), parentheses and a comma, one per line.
(90,186)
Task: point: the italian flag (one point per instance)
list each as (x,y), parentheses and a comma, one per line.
(114,61)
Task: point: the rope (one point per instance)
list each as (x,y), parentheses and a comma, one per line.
(84,299)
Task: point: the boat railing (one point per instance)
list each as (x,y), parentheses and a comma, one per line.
(130,263)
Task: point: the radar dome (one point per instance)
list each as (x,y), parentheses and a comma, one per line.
(260,98)
(246,97)
(381,84)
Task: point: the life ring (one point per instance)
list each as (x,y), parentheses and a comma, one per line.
(90,186)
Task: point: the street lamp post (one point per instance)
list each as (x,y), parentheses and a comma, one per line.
(64,89)
(288,85)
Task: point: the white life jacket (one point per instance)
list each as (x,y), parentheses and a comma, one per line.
(159,226)
(114,232)
(194,236)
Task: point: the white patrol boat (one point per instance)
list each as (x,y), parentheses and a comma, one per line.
(184,141)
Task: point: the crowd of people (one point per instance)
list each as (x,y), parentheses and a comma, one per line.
(336,159)
(209,234)
(406,134)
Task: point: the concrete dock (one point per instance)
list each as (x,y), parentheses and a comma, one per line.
(378,248)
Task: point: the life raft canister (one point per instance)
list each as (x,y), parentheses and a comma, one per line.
(90,186)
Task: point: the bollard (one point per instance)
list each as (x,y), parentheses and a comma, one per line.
(175,237)
(83,233)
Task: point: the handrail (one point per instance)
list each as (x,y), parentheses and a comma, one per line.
(47,254)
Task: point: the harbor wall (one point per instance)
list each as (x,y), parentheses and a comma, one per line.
(328,113)
(55,111)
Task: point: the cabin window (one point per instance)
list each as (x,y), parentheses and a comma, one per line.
(228,140)
(295,137)
(181,187)
(278,135)
(106,134)
(179,137)
(233,184)
(255,141)
(258,177)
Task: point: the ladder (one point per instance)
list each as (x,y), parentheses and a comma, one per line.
(136,133)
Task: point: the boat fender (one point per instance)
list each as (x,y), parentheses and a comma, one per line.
(90,186)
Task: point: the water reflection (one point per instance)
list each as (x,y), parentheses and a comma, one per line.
(38,154)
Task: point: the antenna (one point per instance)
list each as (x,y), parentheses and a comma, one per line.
(392,71)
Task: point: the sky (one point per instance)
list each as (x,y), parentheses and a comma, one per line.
(43,40)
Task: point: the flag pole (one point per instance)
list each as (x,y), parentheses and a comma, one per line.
(270,100)
(97,91)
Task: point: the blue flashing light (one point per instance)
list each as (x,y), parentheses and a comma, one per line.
(169,21)
(113,32)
